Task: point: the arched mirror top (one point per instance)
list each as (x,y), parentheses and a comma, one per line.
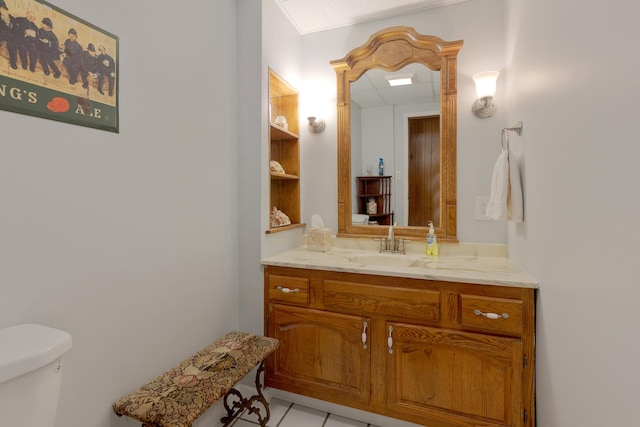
(395,47)
(391,49)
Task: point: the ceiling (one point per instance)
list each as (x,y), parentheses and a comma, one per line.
(373,90)
(309,16)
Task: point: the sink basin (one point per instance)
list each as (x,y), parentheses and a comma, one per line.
(385,260)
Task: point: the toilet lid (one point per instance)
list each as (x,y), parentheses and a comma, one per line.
(27,347)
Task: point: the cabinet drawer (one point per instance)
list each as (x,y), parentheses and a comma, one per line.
(416,304)
(498,314)
(289,289)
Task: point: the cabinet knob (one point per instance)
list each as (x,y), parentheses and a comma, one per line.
(491,315)
(287,290)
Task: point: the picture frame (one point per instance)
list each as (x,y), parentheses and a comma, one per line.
(57,66)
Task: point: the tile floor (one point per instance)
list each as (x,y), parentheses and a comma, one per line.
(285,414)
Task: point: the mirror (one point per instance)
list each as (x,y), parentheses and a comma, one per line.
(400,124)
(391,50)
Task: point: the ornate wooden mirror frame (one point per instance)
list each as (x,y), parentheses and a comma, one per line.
(392,49)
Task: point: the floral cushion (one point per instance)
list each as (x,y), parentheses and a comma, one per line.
(179,396)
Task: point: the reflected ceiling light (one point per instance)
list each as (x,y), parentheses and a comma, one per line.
(485,89)
(400,79)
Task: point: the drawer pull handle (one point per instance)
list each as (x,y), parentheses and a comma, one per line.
(390,340)
(364,335)
(491,315)
(287,290)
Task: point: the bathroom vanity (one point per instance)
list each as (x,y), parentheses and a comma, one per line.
(446,342)
(438,342)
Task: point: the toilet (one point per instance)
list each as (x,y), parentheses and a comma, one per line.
(30,371)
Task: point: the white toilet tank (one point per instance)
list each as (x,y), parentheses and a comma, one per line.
(30,371)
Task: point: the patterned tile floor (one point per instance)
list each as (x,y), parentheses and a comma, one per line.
(285,414)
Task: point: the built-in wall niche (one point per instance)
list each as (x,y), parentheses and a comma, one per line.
(284,155)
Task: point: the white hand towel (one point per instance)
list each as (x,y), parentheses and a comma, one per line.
(497,206)
(515,200)
(505,199)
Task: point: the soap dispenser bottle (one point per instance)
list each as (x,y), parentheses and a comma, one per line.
(432,241)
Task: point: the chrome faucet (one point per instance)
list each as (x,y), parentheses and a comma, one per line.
(390,243)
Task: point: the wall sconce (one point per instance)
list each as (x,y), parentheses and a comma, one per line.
(485,89)
(315,125)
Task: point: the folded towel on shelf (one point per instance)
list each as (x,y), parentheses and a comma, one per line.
(506,200)
(360,219)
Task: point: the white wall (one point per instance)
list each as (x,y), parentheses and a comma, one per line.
(266,40)
(281,52)
(481,24)
(377,132)
(573,82)
(129,241)
(252,179)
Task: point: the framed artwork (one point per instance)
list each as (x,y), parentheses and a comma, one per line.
(57,66)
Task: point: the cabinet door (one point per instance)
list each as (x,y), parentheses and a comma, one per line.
(453,377)
(321,354)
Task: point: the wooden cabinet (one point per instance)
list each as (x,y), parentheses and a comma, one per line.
(434,373)
(284,148)
(321,354)
(377,189)
(434,353)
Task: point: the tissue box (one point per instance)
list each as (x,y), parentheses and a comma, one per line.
(319,239)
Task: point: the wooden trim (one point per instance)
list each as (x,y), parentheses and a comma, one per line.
(284,228)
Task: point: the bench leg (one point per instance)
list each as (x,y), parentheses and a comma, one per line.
(240,403)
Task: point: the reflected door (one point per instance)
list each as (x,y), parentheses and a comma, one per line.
(424,171)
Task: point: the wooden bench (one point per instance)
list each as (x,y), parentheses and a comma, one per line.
(179,396)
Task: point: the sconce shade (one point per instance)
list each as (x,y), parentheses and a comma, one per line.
(316,125)
(486,83)
(484,107)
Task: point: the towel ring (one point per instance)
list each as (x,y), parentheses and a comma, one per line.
(504,136)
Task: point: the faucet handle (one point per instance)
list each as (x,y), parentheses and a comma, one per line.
(401,245)
(383,244)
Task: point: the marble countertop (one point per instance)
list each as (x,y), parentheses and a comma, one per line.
(466,263)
